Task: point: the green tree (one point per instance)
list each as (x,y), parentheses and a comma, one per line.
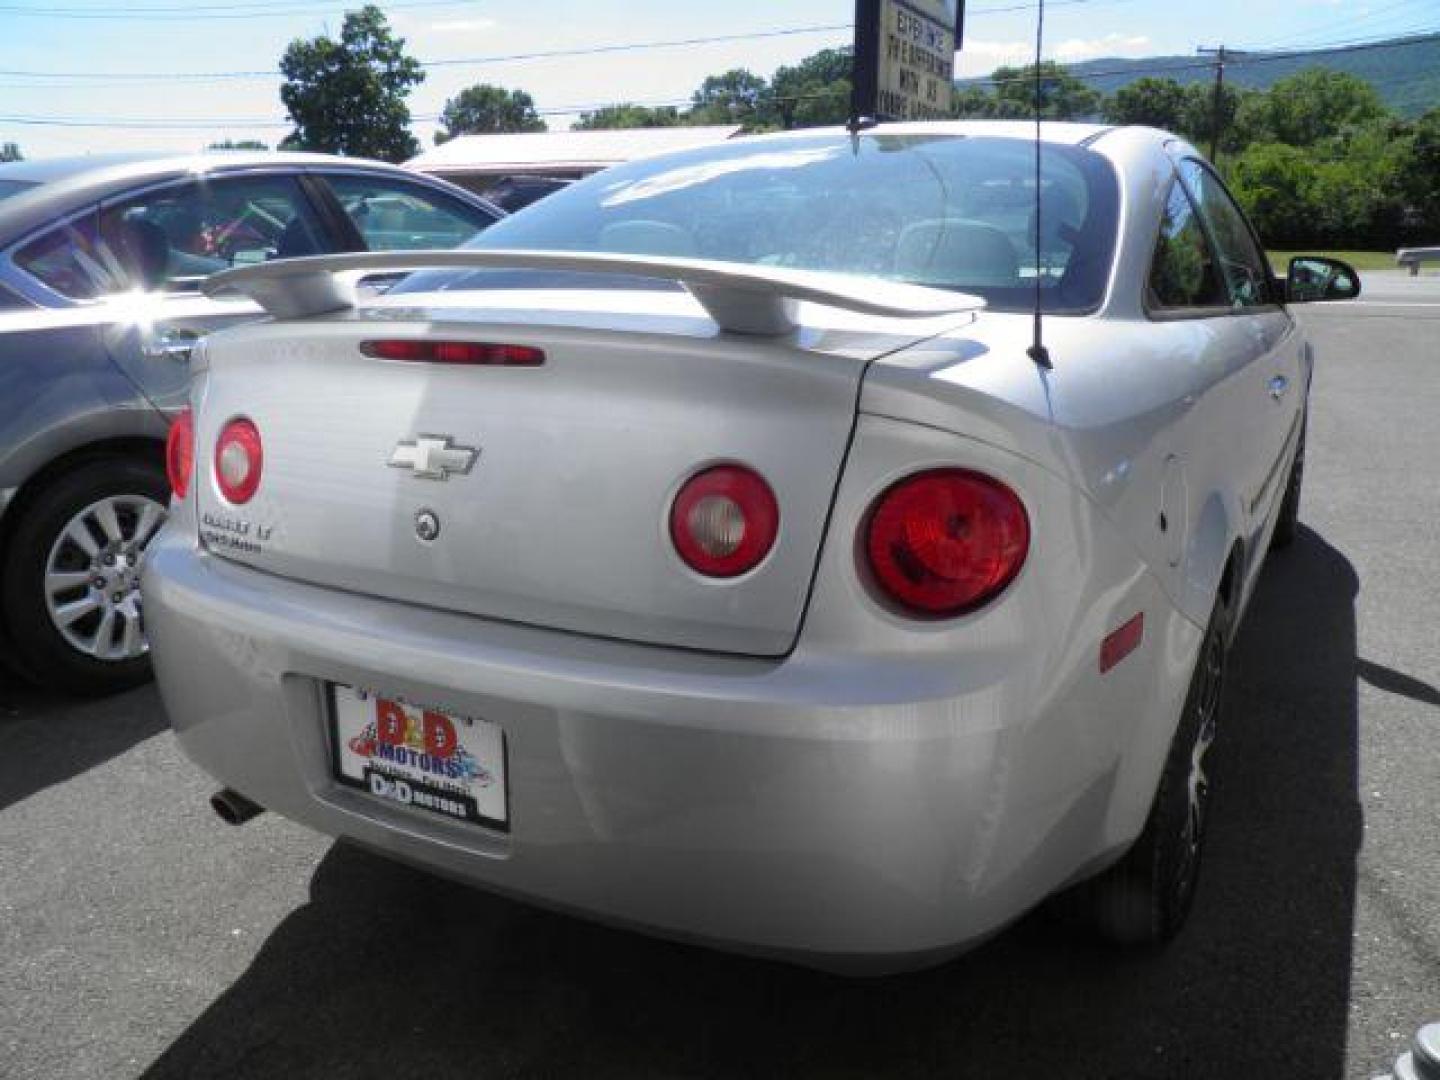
(736,97)
(1157,103)
(1348,191)
(812,93)
(1275,183)
(1198,117)
(1062,95)
(242,144)
(973,101)
(1360,192)
(485,108)
(348,96)
(11,152)
(1311,105)
(628,116)
(1420,179)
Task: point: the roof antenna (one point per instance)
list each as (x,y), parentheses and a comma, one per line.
(1037,351)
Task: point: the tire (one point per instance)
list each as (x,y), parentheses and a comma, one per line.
(1288,523)
(1145,898)
(69,586)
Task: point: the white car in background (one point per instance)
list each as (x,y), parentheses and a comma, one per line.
(704,550)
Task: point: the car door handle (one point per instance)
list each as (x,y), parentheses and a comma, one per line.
(1278,385)
(170,345)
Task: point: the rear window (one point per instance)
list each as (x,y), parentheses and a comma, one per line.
(943,210)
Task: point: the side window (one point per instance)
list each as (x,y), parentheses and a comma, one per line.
(69,260)
(175,236)
(1182,272)
(1242,263)
(393,215)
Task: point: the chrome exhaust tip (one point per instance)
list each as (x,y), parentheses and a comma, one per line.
(234,808)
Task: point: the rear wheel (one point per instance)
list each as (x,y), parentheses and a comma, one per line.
(1145,898)
(71,578)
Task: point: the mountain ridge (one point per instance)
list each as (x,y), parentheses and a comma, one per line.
(1405,70)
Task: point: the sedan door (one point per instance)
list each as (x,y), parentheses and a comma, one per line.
(171,238)
(132,266)
(1270,403)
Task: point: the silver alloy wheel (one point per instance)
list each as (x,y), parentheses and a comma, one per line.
(92,576)
(1207,706)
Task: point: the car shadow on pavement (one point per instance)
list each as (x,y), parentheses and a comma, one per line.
(388,971)
(49,738)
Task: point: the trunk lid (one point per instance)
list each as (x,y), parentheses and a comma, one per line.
(562,519)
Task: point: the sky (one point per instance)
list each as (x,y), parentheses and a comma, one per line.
(90,76)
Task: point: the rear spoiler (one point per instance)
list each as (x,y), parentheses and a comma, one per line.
(740,298)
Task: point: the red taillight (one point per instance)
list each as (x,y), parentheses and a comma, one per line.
(180,453)
(944,542)
(419,350)
(239,458)
(724,521)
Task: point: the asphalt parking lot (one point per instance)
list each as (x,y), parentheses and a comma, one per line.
(140,936)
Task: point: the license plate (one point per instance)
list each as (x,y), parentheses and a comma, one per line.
(448,765)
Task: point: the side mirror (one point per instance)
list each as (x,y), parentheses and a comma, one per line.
(1315,277)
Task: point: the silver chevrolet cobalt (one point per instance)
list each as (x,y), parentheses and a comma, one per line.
(710,550)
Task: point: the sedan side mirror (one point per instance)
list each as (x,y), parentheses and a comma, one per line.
(1315,277)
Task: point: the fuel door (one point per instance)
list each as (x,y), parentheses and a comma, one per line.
(1172,520)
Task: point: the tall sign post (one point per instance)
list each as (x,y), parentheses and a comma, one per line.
(905,59)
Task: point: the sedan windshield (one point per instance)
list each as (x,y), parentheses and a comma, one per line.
(944,210)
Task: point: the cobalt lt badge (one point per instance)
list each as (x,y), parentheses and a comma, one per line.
(427,525)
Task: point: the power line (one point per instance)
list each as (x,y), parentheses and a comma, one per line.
(1135,68)
(596,50)
(147,123)
(225,5)
(302,7)
(592,50)
(1367,19)
(257,10)
(496,58)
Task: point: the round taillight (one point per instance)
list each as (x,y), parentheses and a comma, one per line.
(724,521)
(180,453)
(944,542)
(238,461)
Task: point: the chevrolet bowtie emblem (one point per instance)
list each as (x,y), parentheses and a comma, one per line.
(433,457)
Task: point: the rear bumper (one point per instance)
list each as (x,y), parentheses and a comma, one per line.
(867,816)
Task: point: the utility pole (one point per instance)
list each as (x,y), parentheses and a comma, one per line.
(1221,55)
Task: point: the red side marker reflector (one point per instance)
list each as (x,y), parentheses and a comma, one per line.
(480,353)
(1121,642)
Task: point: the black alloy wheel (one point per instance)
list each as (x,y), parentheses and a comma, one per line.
(1145,898)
